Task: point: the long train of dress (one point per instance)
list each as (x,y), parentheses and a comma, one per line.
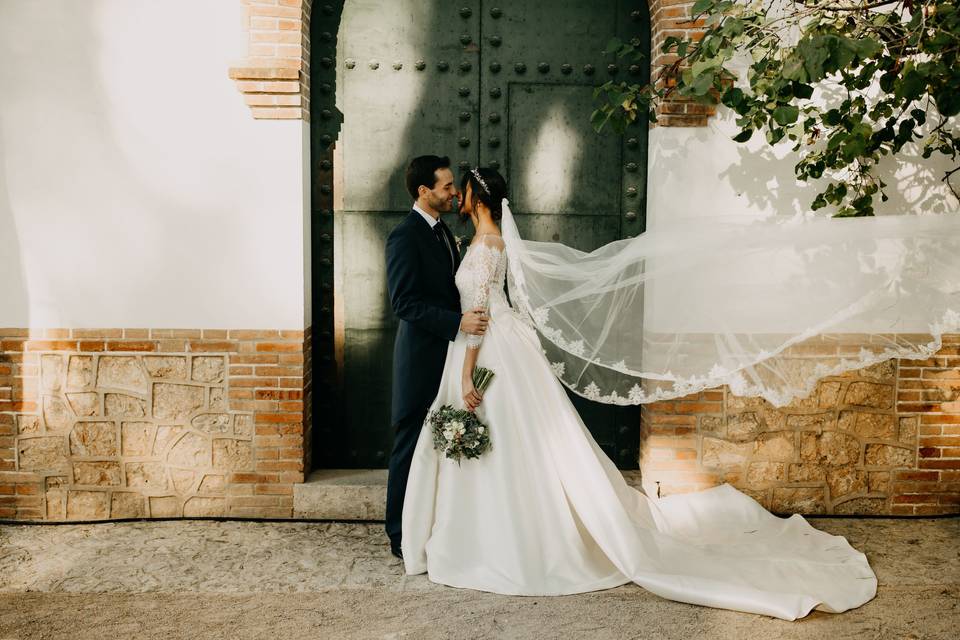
(546,512)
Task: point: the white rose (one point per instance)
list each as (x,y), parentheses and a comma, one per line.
(448,434)
(479,429)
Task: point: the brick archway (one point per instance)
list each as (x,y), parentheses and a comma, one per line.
(275,77)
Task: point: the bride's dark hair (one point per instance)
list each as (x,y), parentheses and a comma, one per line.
(491,195)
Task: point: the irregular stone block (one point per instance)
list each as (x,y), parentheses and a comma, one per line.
(136,438)
(166,367)
(164,507)
(127,504)
(869,425)
(55,495)
(212,484)
(836,449)
(87,505)
(862,506)
(51,373)
(208,368)
(802,500)
(56,414)
(884,455)
(908,429)
(870,394)
(817,421)
(878,481)
(760,495)
(806,472)
(165,436)
(124,406)
(84,403)
(778,445)
(765,473)
(743,426)
(721,453)
(80,372)
(176,401)
(712,424)
(28,425)
(121,372)
(146,475)
(191,451)
(100,473)
(94,439)
(49,452)
(217,399)
(886,370)
(236,455)
(845,481)
(808,401)
(211,422)
(829,393)
(183,480)
(199,506)
(243,424)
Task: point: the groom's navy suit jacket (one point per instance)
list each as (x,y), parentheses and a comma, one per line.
(424,297)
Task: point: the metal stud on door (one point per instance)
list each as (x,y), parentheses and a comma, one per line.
(507,86)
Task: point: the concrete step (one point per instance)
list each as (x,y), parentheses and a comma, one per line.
(357,494)
(342,494)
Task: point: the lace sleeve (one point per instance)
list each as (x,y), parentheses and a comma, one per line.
(489,250)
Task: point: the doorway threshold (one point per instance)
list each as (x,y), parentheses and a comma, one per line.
(342,494)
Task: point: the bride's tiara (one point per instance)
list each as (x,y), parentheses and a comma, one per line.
(476,174)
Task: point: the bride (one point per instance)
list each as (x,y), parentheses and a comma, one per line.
(546,512)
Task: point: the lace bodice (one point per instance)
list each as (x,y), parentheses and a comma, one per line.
(480,277)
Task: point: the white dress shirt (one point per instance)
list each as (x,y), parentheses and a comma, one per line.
(426,216)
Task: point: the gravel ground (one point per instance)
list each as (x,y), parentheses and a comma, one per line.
(250,579)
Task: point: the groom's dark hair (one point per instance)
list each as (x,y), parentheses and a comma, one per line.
(422,170)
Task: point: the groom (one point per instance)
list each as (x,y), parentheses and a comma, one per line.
(421,262)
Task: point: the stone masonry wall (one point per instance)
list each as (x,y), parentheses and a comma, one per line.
(127,423)
(880,440)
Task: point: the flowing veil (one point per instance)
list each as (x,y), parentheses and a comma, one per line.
(767,307)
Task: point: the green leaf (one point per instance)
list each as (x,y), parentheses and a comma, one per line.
(802,91)
(786,114)
(700,6)
(613,46)
(911,86)
(743,136)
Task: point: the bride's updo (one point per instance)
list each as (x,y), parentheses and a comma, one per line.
(491,192)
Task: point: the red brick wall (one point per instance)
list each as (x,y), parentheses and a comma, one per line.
(275,77)
(672,18)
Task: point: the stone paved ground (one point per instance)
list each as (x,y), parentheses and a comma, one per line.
(246,579)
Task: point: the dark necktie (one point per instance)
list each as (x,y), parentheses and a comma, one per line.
(441,230)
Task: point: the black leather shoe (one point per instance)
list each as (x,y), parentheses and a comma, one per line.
(397,552)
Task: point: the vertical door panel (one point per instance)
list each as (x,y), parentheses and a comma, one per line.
(405,79)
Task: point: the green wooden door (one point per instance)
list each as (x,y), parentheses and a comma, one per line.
(507,85)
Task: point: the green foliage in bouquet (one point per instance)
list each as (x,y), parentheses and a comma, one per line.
(459,433)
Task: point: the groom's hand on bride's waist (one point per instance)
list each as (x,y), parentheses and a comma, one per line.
(474,321)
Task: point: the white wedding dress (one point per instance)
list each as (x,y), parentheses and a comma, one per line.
(546,512)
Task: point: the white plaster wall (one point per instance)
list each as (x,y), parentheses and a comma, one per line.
(696,172)
(136,190)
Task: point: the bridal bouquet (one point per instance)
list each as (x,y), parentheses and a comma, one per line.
(458,433)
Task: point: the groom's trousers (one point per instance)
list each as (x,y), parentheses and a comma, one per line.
(404,443)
